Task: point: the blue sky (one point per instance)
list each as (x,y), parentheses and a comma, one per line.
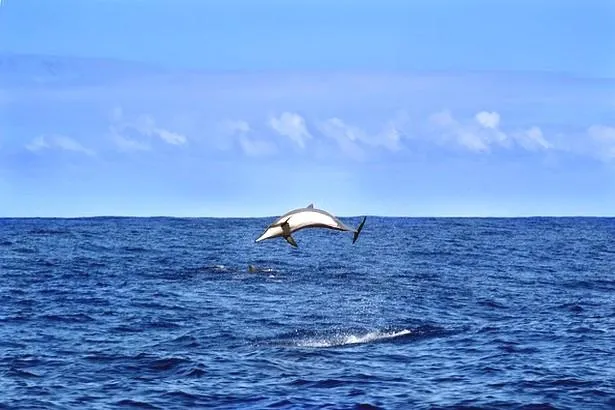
(241,108)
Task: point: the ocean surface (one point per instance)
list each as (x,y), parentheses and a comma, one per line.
(420,313)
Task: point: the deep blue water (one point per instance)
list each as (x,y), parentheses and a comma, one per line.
(419,313)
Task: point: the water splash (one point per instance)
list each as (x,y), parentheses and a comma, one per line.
(344,339)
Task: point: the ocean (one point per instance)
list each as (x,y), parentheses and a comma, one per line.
(419,313)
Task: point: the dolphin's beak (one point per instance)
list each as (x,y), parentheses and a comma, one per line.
(262,237)
(270,232)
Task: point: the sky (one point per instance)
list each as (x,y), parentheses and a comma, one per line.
(242,108)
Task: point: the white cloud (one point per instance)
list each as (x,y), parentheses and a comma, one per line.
(350,138)
(443,119)
(145,125)
(346,137)
(238,130)
(127,144)
(60,142)
(256,148)
(484,133)
(293,126)
(237,126)
(69,144)
(472,140)
(37,144)
(532,139)
(389,137)
(224,134)
(490,133)
(448,130)
(488,119)
(602,133)
(171,137)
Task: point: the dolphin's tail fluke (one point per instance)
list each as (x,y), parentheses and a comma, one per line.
(358,231)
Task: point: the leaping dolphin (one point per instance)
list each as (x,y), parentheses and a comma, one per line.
(308,217)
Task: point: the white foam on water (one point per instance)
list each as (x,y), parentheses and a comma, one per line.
(350,339)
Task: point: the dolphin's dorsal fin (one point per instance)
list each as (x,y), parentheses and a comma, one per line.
(310,206)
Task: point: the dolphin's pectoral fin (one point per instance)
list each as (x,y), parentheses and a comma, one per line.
(310,206)
(290,240)
(286,233)
(358,231)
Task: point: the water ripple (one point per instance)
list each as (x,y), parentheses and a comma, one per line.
(421,313)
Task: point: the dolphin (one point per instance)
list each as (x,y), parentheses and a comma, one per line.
(258,269)
(308,217)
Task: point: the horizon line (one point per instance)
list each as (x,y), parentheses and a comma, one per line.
(339,216)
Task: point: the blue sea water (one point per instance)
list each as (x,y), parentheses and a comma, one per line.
(419,313)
